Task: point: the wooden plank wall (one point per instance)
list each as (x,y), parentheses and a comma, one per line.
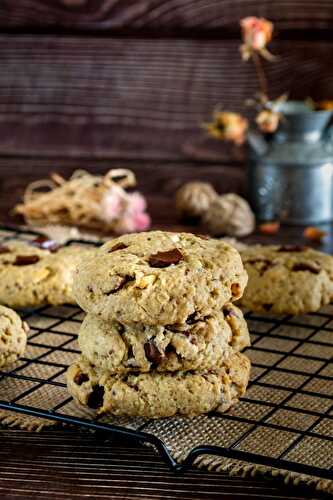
(127,79)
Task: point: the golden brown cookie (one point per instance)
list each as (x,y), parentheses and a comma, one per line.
(200,344)
(287,279)
(157,394)
(13,336)
(159,278)
(32,275)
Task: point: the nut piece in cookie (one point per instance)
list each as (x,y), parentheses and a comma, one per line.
(13,336)
(287,279)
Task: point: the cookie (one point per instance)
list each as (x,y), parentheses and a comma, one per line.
(13,336)
(201,344)
(287,279)
(157,394)
(33,274)
(159,278)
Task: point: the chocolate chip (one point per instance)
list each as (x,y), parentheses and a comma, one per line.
(169,349)
(292,248)
(117,246)
(120,328)
(45,243)
(191,319)
(165,259)
(267,307)
(303,266)
(265,264)
(130,353)
(25,260)
(123,280)
(152,353)
(4,249)
(80,378)
(95,398)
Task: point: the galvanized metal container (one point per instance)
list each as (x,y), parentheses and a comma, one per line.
(290,176)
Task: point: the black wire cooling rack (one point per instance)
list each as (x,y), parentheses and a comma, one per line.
(285,420)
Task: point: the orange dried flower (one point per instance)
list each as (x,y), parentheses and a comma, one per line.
(228,126)
(314,234)
(268,120)
(256,33)
(269,227)
(325,105)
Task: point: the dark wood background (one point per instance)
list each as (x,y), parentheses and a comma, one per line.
(135,79)
(102,83)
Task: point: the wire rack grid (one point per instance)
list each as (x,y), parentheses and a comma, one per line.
(284,421)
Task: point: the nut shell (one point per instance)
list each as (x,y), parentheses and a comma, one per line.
(229,214)
(194,198)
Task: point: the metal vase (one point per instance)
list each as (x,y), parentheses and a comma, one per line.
(290,175)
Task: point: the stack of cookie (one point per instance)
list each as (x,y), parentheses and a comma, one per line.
(161,336)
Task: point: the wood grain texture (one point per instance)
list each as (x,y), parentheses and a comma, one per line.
(203,15)
(64,464)
(137,98)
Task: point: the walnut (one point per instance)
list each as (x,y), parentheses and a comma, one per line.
(229,214)
(194,198)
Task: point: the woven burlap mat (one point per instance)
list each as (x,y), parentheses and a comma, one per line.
(209,462)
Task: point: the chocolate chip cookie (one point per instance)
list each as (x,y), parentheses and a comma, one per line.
(287,279)
(199,344)
(38,272)
(159,278)
(157,394)
(13,336)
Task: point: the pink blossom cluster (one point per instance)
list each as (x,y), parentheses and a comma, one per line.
(126,212)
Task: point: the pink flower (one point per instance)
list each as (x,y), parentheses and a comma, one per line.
(125,212)
(257,33)
(228,126)
(136,202)
(133,223)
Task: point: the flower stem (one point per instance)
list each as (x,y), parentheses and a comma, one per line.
(260,74)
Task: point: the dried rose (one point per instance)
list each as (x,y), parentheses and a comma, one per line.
(268,120)
(256,33)
(314,234)
(132,223)
(125,210)
(228,126)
